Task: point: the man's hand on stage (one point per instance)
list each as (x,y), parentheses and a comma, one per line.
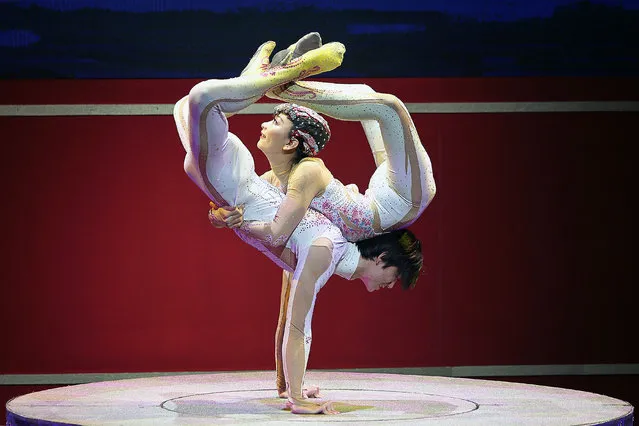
(226,216)
(310,408)
(311,392)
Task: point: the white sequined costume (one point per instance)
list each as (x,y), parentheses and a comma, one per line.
(222,167)
(403,184)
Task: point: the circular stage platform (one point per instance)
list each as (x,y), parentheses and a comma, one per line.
(249,398)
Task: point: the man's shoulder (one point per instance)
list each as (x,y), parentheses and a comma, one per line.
(310,165)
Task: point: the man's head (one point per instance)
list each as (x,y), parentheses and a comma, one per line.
(296,130)
(396,255)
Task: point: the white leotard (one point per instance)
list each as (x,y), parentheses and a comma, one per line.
(401,187)
(224,170)
(361,216)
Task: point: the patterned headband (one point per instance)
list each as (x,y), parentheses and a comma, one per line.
(309,127)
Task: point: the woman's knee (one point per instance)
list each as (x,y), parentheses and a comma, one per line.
(391,100)
(203,93)
(364,88)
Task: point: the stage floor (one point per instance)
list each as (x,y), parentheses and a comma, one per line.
(249,398)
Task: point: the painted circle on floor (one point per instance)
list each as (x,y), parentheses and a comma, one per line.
(354,405)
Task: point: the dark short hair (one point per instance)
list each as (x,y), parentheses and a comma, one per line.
(398,248)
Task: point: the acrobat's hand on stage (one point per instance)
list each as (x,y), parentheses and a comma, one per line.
(310,408)
(226,216)
(311,392)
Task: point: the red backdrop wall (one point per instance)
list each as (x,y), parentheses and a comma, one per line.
(110,264)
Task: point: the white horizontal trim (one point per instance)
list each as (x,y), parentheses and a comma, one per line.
(416,108)
(85,110)
(510,107)
(461,371)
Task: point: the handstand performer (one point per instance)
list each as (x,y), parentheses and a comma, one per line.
(222,167)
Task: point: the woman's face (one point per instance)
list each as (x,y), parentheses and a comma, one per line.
(275,134)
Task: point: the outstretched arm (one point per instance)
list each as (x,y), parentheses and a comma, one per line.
(312,272)
(280,382)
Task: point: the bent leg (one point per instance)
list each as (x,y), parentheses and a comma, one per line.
(210,146)
(386,122)
(207,166)
(234,93)
(375,140)
(318,96)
